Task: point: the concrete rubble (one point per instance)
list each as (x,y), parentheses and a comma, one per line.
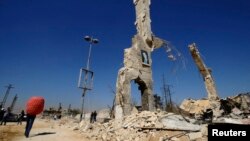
(177,122)
(163,126)
(234,109)
(197,108)
(146,125)
(239,102)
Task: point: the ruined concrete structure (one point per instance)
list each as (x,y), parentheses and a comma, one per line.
(137,64)
(205,72)
(200,108)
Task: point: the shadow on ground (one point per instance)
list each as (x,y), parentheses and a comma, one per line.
(43,133)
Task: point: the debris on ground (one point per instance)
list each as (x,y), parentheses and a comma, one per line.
(190,124)
(235,109)
(146,125)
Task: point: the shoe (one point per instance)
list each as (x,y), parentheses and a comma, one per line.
(26,135)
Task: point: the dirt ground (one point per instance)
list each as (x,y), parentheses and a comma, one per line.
(42,130)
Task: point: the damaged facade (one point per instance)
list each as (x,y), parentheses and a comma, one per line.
(137,64)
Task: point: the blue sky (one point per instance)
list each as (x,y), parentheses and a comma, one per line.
(42,47)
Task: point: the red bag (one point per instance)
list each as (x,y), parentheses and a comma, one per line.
(35,105)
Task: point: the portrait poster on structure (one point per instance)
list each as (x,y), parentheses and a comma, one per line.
(86,79)
(145,57)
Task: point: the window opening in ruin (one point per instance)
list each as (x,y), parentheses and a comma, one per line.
(135,95)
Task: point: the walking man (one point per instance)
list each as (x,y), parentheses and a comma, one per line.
(29,124)
(94,116)
(5,116)
(34,107)
(20,118)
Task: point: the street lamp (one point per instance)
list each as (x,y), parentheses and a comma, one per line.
(91,41)
(86,75)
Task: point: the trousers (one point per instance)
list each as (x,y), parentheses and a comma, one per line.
(29,124)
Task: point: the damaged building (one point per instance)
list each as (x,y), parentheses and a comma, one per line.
(137,64)
(212,106)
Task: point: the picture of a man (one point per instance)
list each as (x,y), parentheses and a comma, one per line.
(145,59)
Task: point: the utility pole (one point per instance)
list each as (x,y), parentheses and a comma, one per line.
(86,75)
(112,112)
(6,95)
(60,107)
(69,109)
(170,99)
(13,103)
(166,94)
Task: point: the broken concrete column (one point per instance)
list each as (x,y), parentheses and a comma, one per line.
(205,72)
(143,21)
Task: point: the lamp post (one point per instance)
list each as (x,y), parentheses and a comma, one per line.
(91,41)
(86,83)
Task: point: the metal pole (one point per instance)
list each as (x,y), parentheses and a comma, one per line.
(169,94)
(91,41)
(13,103)
(83,115)
(85,90)
(90,47)
(164,92)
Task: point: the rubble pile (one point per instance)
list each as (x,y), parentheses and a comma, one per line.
(103,115)
(239,105)
(196,108)
(146,125)
(201,109)
(164,126)
(235,109)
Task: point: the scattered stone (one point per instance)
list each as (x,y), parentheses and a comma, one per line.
(140,126)
(147,125)
(236,111)
(237,107)
(204,130)
(195,135)
(75,128)
(104,137)
(172,122)
(137,139)
(174,139)
(161,139)
(195,107)
(228,120)
(204,139)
